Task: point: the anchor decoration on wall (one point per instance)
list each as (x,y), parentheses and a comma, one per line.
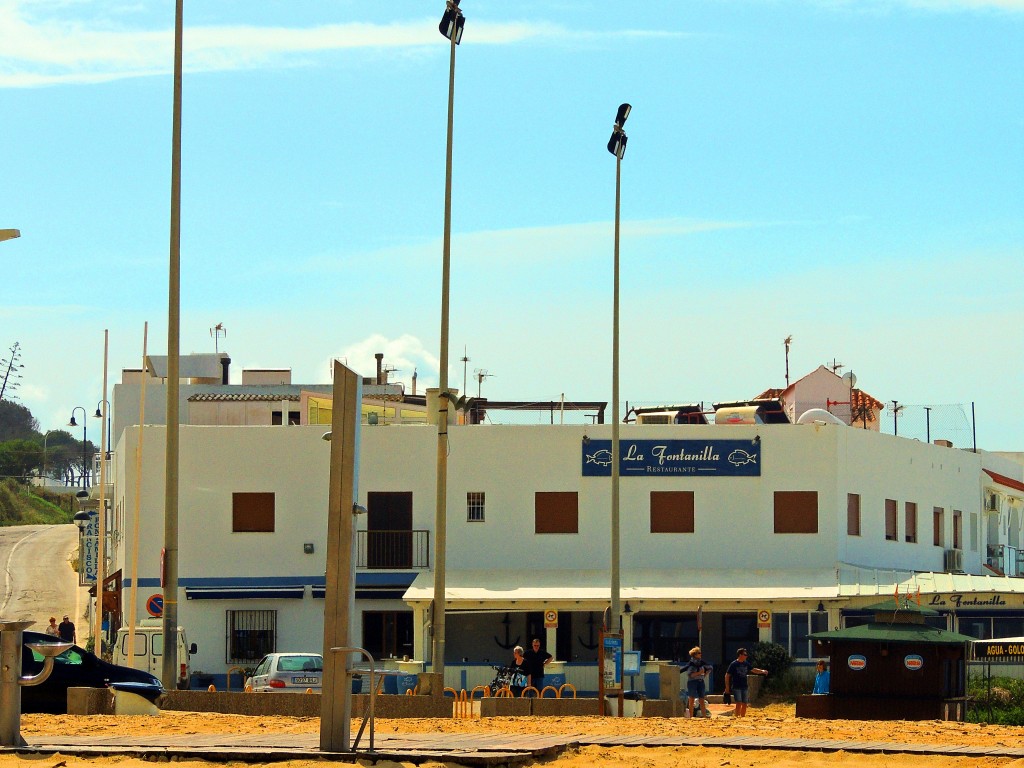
(509,643)
(591,644)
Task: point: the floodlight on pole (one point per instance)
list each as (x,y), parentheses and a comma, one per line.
(617,146)
(451,27)
(452,22)
(9,234)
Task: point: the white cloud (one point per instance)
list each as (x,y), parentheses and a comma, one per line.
(39,52)
(402,355)
(529,244)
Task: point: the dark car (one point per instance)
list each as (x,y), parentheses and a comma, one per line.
(76,668)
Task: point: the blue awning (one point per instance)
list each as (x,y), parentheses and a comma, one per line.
(288,592)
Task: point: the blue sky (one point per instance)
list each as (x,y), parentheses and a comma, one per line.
(848,173)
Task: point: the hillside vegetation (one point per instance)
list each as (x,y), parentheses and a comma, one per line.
(21,504)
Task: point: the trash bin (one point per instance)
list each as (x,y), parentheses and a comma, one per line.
(632,703)
(408,676)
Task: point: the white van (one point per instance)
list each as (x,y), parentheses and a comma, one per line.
(149,650)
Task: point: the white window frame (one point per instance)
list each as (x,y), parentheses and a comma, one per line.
(475,506)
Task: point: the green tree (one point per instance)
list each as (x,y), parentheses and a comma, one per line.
(17,422)
(20,458)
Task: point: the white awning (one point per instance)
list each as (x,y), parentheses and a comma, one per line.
(591,590)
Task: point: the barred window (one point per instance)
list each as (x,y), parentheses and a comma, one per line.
(475,506)
(251,635)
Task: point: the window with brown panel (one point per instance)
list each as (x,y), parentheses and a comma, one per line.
(958,529)
(671,511)
(853,514)
(891,522)
(252,513)
(911,522)
(938,526)
(556,512)
(796,511)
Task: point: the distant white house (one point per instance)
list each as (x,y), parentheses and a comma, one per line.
(822,388)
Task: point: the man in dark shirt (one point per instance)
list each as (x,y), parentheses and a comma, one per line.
(736,681)
(67,630)
(536,658)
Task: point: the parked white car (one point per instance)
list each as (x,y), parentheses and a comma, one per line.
(287,672)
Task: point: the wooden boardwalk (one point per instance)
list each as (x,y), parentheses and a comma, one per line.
(488,749)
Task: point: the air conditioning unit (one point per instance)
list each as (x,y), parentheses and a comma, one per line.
(954,561)
(991,501)
(663,417)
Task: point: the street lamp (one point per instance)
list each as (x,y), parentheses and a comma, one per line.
(45,436)
(99,415)
(9,234)
(85,442)
(617,146)
(451,26)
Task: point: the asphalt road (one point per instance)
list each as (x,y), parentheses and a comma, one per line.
(36,579)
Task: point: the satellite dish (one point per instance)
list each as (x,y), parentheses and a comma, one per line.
(850,379)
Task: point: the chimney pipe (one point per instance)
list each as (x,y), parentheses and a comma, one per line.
(225,362)
(380,359)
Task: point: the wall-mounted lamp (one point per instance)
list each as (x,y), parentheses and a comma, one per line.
(626,609)
(307,548)
(358,509)
(756,440)
(326,436)
(821,607)
(586,439)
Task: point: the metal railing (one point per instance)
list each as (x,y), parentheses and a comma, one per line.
(1006,559)
(393,549)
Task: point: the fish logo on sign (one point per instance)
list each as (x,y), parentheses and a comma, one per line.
(857,662)
(739,458)
(913,662)
(602,458)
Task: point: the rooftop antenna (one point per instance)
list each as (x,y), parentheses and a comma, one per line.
(465,359)
(481,374)
(787,341)
(836,367)
(217,331)
(896,408)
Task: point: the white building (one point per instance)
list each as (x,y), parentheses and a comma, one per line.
(753,532)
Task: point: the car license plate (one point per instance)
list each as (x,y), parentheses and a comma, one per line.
(306,680)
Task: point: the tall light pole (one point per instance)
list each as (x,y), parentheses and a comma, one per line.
(101,552)
(9,234)
(85,442)
(617,146)
(452,23)
(169,582)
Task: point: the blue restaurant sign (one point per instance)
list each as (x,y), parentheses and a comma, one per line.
(734,458)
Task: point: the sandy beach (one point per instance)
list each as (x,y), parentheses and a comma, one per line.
(774,721)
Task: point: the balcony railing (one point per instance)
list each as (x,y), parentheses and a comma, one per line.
(1006,559)
(393,549)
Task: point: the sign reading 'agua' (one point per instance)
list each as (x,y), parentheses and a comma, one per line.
(736,458)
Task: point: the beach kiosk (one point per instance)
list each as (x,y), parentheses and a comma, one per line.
(896,667)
